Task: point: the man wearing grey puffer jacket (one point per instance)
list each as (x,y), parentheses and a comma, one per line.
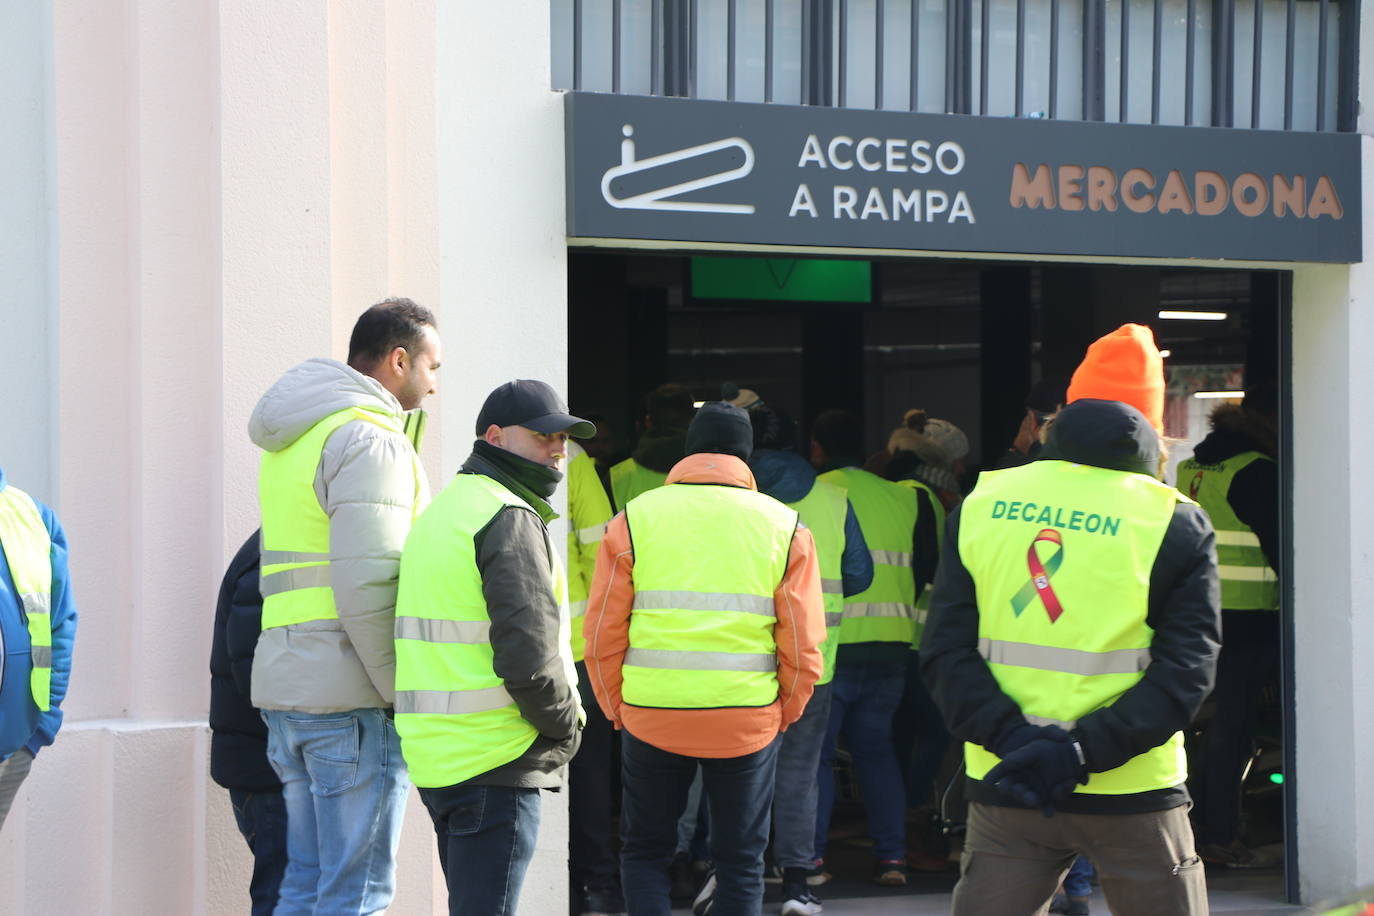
(339,487)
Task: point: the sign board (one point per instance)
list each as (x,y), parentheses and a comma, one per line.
(731,172)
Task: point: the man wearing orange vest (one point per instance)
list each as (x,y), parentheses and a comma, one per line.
(1073,634)
(703,638)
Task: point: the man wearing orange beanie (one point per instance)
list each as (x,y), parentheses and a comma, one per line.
(1124,366)
(1072,636)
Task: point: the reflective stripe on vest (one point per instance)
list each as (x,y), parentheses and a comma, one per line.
(453,713)
(1060,555)
(295,580)
(707,562)
(886,610)
(1068,661)
(28,552)
(823,510)
(589,511)
(1248,582)
(682,660)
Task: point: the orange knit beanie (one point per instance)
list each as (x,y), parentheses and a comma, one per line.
(1124,365)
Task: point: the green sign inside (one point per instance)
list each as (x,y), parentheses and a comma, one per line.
(782,279)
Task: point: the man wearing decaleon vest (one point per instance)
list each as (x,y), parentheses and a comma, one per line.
(1073,634)
(703,633)
(339,486)
(486,694)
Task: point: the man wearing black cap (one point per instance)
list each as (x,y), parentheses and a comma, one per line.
(486,698)
(702,645)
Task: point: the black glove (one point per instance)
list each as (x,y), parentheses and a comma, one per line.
(1017,736)
(1039,773)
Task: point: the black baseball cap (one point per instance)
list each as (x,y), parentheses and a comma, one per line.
(534,405)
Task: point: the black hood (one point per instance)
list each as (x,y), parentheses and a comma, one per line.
(1235,430)
(1105,434)
(659,450)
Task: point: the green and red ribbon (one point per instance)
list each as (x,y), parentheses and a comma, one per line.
(1040,573)
(1194,485)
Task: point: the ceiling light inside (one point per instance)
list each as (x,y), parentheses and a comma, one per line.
(1174,315)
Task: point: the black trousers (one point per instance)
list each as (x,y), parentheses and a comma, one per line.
(1243,668)
(592,861)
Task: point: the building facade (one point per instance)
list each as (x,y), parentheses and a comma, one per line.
(200,195)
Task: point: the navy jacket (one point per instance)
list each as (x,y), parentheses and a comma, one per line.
(21,724)
(238,737)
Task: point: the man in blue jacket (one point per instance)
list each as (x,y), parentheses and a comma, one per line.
(37,627)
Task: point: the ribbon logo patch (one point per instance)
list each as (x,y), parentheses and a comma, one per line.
(1040,573)
(1194,485)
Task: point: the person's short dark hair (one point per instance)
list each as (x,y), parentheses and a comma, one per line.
(669,406)
(1047,396)
(772,428)
(387,325)
(840,433)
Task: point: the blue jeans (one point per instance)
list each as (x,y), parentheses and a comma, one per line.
(1079,881)
(863,700)
(345,785)
(486,839)
(694,826)
(739,792)
(261,817)
(795,798)
(13,770)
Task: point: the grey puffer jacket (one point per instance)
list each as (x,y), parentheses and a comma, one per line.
(370,486)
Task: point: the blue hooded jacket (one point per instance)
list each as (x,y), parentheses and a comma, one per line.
(788,477)
(21,724)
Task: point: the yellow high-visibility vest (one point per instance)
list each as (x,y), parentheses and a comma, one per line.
(629,478)
(823,510)
(295,581)
(589,510)
(886,610)
(923,599)
(1060,556)
(28,551)
(701,627)
(453,713)
(1248,582)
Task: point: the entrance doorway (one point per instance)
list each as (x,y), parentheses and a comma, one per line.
(964,340)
